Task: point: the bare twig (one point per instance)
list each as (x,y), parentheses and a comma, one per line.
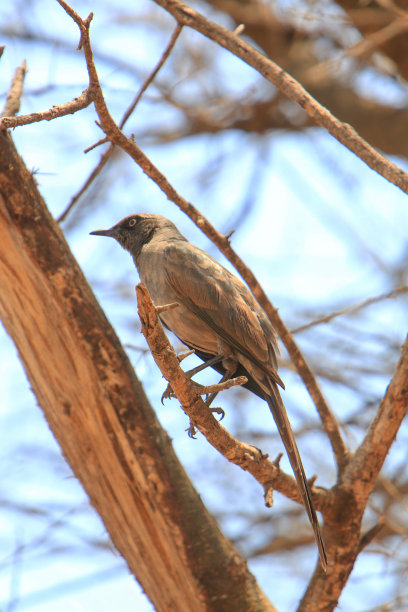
(363,49)
(223,386)
(152,76)
(344,132)
(13,100)
(372,533)
(362,471)
(107,154)
(95,172)
(247,457)
(68,108)
(166,307)
(117,137)
(352,309)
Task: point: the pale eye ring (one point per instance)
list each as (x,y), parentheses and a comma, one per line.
(132,222)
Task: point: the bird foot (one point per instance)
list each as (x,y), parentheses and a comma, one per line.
(191,431)
(168,393)
(218,411)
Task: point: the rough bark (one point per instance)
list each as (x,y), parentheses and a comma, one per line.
(101,418)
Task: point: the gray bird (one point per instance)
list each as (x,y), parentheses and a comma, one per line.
(217,316)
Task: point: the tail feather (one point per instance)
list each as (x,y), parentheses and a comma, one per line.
(278,410)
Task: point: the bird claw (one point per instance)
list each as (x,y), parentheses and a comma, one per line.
(168,393)
(218,411)
(191,431)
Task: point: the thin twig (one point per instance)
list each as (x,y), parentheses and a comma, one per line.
(366,463)
(222,386)
(166,307)
(13,100)
(149,80)
(363,49)
(68,108)
(97,170)
(107,154)
(352,309)
(372,533)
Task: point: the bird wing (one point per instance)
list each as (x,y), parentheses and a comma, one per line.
(220,300)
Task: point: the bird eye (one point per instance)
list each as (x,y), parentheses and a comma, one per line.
(132,222)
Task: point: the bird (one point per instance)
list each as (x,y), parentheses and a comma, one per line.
(217,316)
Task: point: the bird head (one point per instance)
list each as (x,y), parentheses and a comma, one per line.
(134,231)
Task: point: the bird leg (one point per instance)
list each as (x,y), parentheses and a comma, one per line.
(212,391)
(207,364)
(168,394)
(229,363)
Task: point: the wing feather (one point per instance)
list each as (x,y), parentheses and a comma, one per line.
(222,301)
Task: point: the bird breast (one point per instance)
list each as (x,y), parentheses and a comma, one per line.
(187,326)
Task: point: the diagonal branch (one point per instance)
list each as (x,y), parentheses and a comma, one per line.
(343,132)
(247,457)
(355,485)
(353,308)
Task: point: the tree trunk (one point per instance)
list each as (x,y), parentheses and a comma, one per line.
(101,418)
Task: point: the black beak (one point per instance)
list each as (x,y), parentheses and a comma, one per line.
(109,232)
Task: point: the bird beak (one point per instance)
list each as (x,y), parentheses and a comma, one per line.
(108,232)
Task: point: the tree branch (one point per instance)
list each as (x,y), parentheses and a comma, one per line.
(13,99)
(68,108)
(247,457)
(343,132)
(107,154)
(355,485)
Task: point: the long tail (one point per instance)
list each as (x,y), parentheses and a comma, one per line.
(281,419)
